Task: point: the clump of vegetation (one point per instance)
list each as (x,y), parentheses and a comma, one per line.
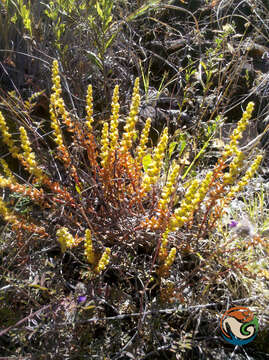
(111,200)
(132,221)
(115,174)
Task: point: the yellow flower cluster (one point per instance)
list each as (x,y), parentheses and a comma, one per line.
(33,97)
(231,148)
(108,147)
(243,182)
(129,128)
(163,271)
(54,104)
(141,148)
(65,239)
(203,188)
(104,153)
(162,208)
(88,141)
(234,168)
(182,214)
(103,262)
(162,255)
(89,252)
(56,108)
(153,172)
(7,137)
(170,258)
(89,109)
(114,134)
(29,155)
(7,171)
(56,88)
(56,99)
(169,187)
(6,213)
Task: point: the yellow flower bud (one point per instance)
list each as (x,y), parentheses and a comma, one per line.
(65,239)
(103,262)
(89,252)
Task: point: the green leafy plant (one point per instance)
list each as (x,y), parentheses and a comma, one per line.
(59,12)
(19,13)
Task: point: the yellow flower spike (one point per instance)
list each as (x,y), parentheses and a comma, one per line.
(28,155)
(65,115)
(89,109)
(7,138)
(65,239)
(182,214)
(4,212)
(153,172)
(241,126)
(56,81)
(204,186)
(141,148)
(234,168)
(103,262)
(243,182)
(253,168)
(4,182)
(170,258)
(55,68)
(89,252)
(231,148)
(104,153)
(7,215)
(162,255)
(7,171)
(114,134)
(170,185)
(55,126)
(191,191)
(57,105)
(129,128)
